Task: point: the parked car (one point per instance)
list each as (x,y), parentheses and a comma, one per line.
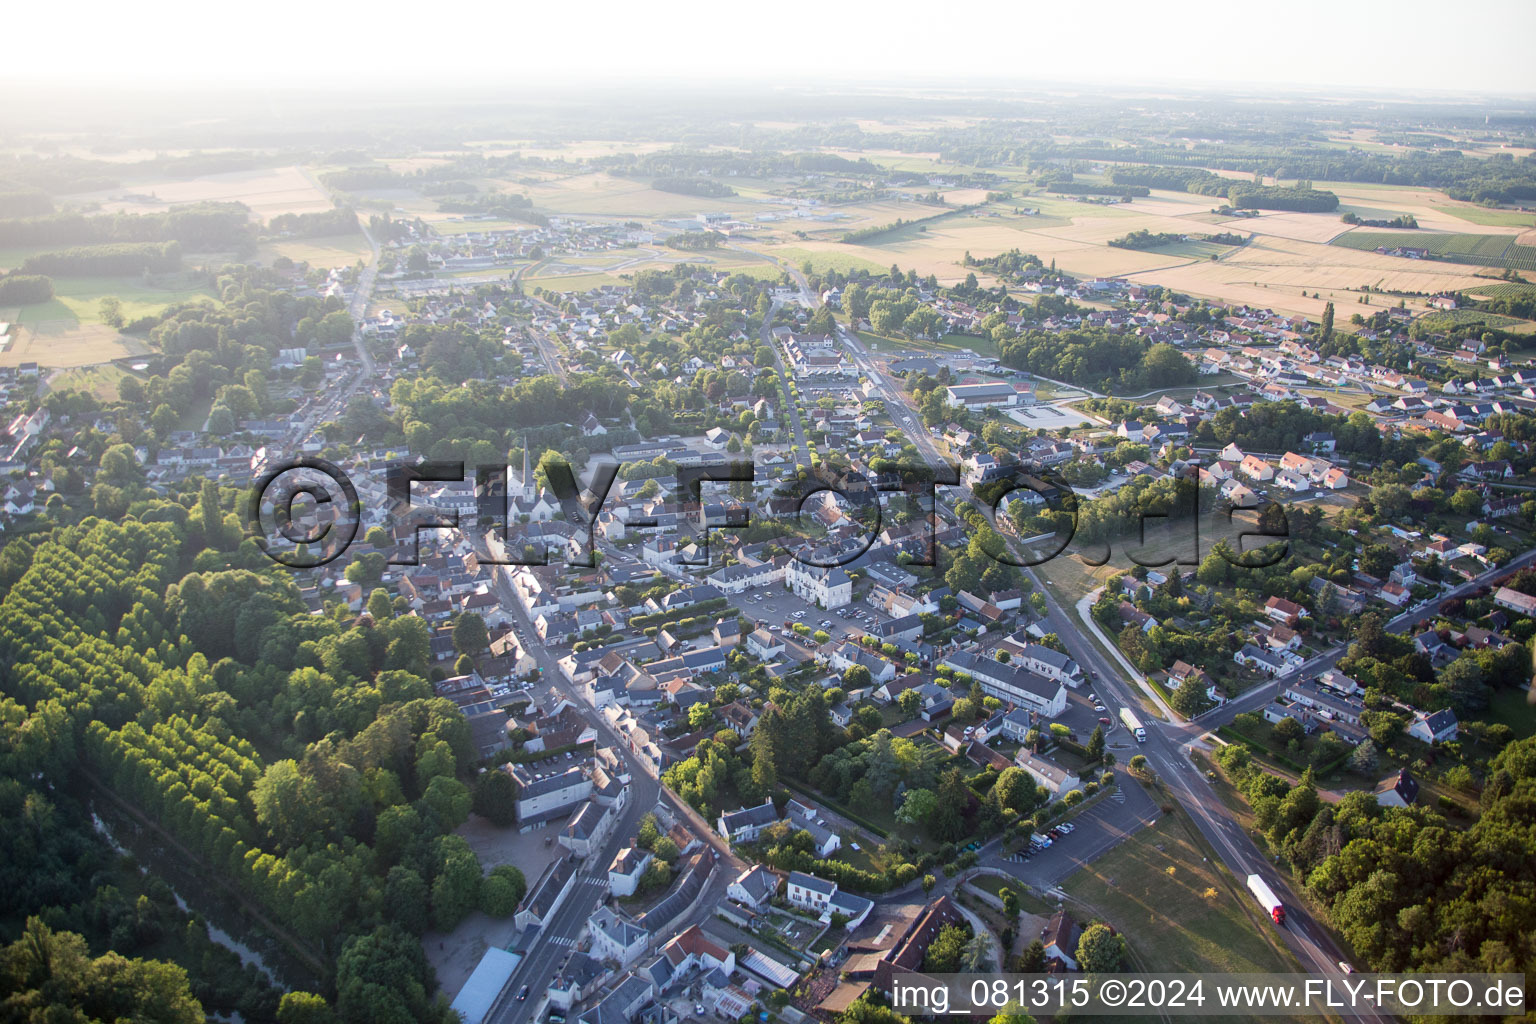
(1105,721)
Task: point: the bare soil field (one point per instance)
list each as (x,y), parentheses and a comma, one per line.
(68,343)
(268,192)
(606,195)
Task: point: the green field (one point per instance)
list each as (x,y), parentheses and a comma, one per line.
(1492,218)
(1444,320)
(842,262)
(1194,249)
(1473,250)
(325,252)
(1156,889)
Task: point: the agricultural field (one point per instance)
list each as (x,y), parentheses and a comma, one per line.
(1493,218)
(1503,289)
(324,252)
(605,195)
(1444,320)
(1484,250)
(268,192)
(68,343)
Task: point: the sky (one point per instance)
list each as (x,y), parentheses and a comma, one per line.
(1479,46)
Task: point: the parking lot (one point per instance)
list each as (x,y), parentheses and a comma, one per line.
(1109,821)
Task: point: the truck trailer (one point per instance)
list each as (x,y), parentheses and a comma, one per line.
(1266,897)
(1133,725)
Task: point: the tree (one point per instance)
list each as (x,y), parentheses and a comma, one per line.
(699,714)
(1100,950)
(304,1008)
(502,890)
(49,976)
(1032,960)
(495,797)
(1364,759)
(469,634)
(1138,764)
(910,701)
(1288,729)
(946,951)
(456,890)
(1189,698)
(1095,750)
(917,807)
(928,883)
(857,677)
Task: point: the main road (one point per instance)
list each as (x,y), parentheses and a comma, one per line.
(561,933)
(1166,745)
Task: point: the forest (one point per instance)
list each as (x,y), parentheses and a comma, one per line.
(302,760)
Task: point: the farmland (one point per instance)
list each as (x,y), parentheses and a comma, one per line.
(1475,250)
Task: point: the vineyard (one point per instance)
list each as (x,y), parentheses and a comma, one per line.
(1504,289)
(1473,250)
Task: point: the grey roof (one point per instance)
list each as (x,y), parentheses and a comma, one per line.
(549,887)
(760,815)
(812,883)
(585,821)
(617,927)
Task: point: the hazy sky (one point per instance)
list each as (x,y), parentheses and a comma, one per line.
(1417,45)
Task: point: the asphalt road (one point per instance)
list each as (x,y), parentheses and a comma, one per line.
(560,934)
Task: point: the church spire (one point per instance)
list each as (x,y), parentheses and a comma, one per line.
(527,473)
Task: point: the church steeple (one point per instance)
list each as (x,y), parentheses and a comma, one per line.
(528,488)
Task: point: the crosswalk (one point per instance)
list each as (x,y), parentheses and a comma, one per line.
(600,881)
(1118,796)
(560,940)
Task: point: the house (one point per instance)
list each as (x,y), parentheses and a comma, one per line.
(745,824)
(1260,659)
(547,894)
(1434,727)
(1060,940)
(543,795)
(824,586)
(754,886)
(825,899)
(629,865)
(1255,468)
(764,645)
(1399,790)
(1011,685)
(587,829)
(1058,781)
(1281,610)
(615,937)
(1515,601)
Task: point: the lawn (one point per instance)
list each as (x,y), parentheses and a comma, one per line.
(101,380)
(1030,903)
(1516,708)
(950,344)
(1177,910)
